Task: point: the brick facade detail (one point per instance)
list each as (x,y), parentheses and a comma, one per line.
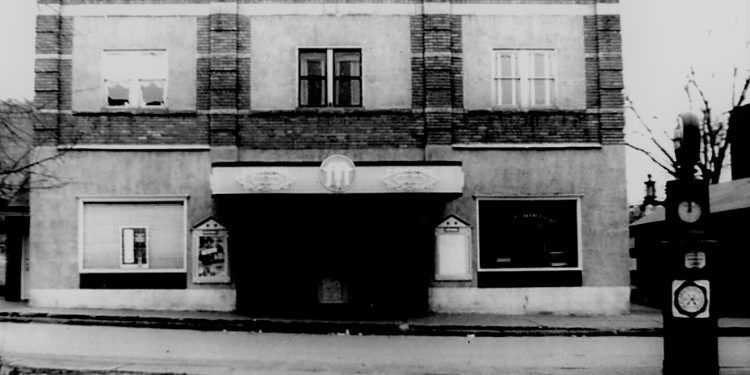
(604,82)
(224,117)
(528,127)
(135,128)
(310,130)
(53,71)
(437,73)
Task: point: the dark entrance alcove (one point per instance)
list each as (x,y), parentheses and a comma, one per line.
(331,255)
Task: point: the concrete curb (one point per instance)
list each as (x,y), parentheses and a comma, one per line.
(311,326)
(392,328)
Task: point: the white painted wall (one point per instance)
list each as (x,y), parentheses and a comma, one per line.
(386,56)
(483,34)
(92,35)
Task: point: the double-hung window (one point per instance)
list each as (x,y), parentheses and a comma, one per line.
(525,77)
(330,77)
(134,78)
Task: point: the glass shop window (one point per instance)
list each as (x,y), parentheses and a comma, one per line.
(528,234)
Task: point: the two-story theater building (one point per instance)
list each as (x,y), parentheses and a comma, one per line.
(286,157)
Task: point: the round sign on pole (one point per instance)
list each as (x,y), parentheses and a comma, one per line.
(336,173)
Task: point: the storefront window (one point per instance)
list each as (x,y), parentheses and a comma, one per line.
(131,235)
(516,234)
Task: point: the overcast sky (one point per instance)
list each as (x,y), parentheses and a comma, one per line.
(662,40)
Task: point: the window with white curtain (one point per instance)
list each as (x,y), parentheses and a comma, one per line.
(525,78)
(135,78)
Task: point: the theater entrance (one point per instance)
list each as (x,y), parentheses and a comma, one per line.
(332,255)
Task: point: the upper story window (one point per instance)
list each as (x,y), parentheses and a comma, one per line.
(135,78)
(330,77)
(525,77)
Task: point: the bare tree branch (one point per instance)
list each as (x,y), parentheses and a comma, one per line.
(651,156)
(629,105)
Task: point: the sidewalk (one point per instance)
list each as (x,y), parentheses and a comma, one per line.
(642,321)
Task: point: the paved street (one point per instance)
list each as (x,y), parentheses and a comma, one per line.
(196,352)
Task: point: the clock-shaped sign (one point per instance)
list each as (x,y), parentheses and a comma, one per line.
(690,298)
(689,211)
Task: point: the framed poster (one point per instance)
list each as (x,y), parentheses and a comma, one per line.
(210,253)
(453,250)
(134,247)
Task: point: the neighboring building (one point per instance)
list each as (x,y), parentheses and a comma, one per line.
(16,144)
(739,137)
(389,157)
(730,211)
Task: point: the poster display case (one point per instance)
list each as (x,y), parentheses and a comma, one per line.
(210,253)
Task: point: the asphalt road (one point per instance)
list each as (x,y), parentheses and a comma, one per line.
(196,352)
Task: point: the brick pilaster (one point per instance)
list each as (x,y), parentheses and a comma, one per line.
(437,73)
(223,76)
(604,81)
(53,69)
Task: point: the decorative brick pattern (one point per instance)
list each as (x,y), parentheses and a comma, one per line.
(75,2)
(604,82)
(437,116)
(223,71)
(52,83)
(528,127)
(345,130)
(437,72)
(132,128)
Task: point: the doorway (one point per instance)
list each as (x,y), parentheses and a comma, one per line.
(333,255)
(15,239)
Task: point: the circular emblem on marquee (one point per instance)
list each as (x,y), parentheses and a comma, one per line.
(336,173)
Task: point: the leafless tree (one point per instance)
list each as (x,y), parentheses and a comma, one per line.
(19,162)
(714,131)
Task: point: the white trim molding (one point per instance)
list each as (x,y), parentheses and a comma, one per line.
(139,147)
(527,146)
(326,8)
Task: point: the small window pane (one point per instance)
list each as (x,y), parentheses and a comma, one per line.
(509,92)
(538,61)
(347,64)
(152,92)
(312,63)
(506,66)
(540,92)
(347,92)
(312,92)
(118,93)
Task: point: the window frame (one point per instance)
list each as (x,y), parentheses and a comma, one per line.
(174,199)
(330,77)
(134,86)
(579,240)
(522,57)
